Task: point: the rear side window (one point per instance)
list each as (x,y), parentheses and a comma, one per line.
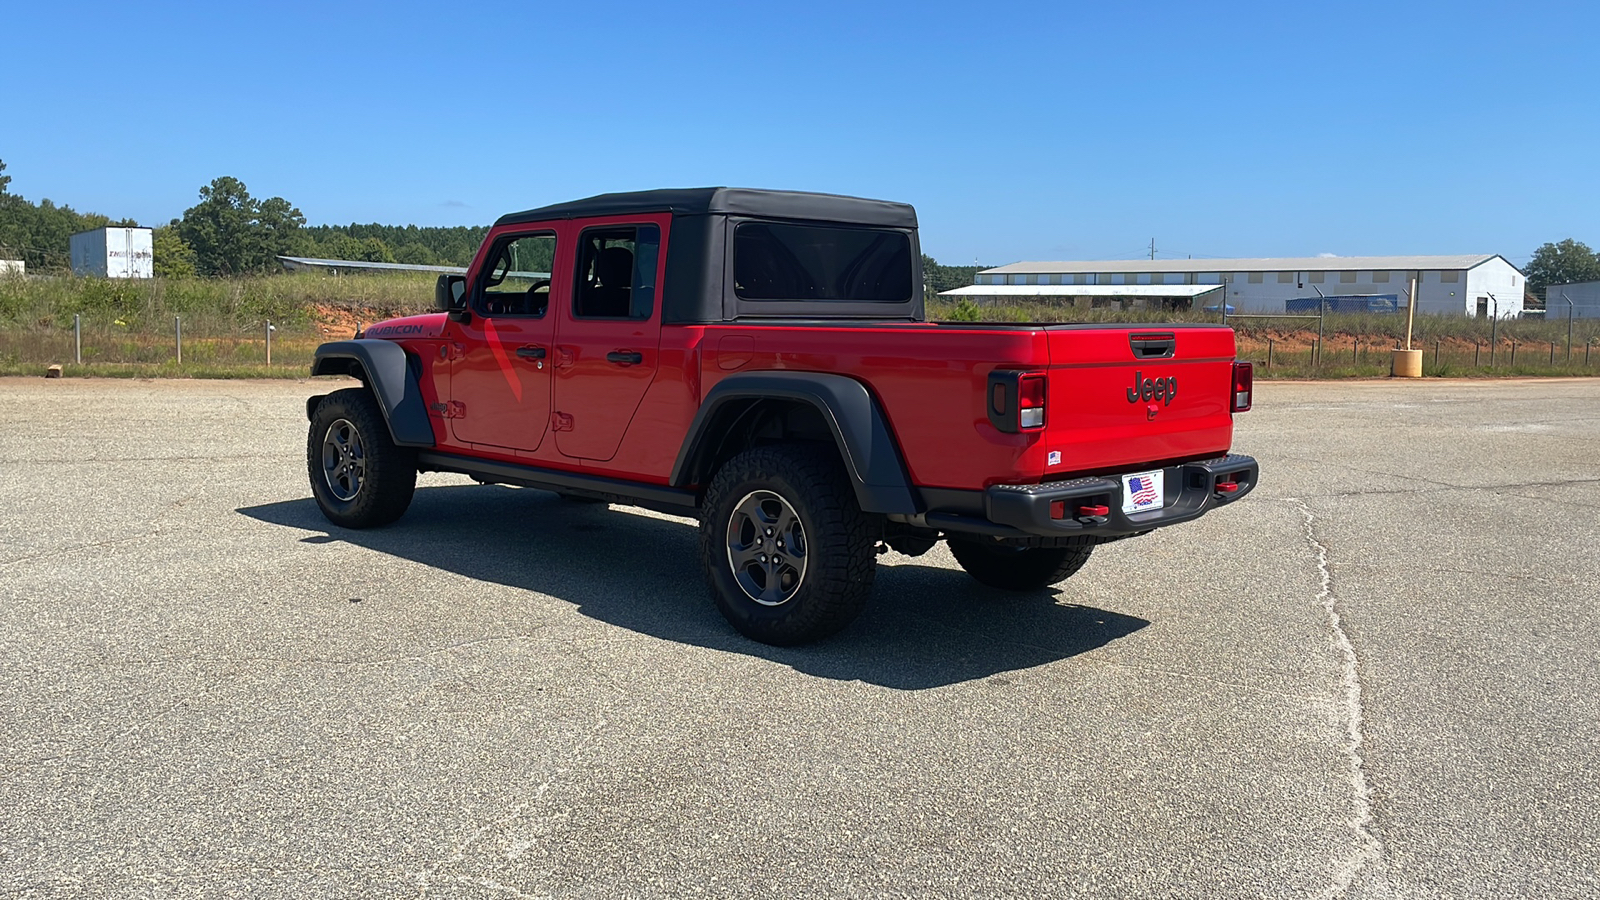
(617,272)
(773,261)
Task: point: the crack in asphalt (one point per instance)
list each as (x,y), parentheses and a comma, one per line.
(1367,849)
(56,551)
(437,870)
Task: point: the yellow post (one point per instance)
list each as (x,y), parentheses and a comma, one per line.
(1407,363)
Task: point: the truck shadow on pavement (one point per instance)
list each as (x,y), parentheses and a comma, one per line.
(925,627)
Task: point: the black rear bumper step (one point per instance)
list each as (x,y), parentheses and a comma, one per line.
(1192,489)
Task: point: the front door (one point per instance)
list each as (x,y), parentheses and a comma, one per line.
(609,334)
(500,376)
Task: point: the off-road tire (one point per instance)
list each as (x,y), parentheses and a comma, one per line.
(387,474)
(1019,568)
(839,542)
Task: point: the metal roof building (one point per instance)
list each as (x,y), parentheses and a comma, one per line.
(1473,285)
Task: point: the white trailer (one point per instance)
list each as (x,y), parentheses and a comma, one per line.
(114,252)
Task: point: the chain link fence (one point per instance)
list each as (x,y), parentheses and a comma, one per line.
(108,345)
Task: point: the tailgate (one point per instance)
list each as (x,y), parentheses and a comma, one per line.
(1122,397)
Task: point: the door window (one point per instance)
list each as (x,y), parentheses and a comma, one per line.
(517,280)
(617,272)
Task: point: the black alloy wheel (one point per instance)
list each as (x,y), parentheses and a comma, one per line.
(767,548)
(344,460)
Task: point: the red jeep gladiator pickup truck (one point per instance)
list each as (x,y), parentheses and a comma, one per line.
(761,360)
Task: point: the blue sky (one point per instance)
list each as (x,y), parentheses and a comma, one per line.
(1021,131)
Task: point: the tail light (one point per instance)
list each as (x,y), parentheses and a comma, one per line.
(1244,376)
(1030,402)
(1016,400)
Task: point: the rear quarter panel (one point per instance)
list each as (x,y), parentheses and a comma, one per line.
(929,380)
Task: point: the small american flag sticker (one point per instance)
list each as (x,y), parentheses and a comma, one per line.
(1055,458)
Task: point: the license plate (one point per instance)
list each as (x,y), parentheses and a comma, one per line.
(1142,492)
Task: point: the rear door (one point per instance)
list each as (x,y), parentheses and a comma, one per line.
(609,334)
(500,373)
(1119,398)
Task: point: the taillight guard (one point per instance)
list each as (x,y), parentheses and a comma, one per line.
(1016,400)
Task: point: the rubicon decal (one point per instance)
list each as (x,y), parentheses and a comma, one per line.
(409,330)
(1163,389)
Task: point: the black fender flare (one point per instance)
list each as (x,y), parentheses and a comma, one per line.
(859,428)
(385,369)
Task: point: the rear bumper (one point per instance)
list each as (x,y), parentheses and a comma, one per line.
(1024,510)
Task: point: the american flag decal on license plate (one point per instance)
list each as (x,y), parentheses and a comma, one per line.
(1143,490)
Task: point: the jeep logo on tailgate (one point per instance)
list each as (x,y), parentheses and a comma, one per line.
(1163,389)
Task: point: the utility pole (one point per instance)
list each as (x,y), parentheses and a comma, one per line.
(1152,248)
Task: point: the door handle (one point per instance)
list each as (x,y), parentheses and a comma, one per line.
(531,352)
(625,357)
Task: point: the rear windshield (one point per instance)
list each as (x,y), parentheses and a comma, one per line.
(820,262)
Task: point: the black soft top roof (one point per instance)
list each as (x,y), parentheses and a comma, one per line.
(729,201)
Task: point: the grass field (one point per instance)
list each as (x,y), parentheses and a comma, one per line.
(129,329)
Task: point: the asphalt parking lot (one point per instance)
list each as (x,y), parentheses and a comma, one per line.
(1375,677)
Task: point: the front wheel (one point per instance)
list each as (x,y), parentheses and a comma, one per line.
(358,476)
(1018,568)
(788,554)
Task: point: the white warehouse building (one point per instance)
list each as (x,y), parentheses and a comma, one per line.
(1482,285)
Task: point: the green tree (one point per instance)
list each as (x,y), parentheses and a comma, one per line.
(233,233)
(937,278)
(1566,262)
(40,234)
(173,257)
(452,246)
(4,178)
(416,254)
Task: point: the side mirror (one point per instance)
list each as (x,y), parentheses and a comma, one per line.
(450,296)
(450,293)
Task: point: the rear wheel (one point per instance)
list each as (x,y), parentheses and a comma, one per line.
(359,478)
(1018,568)
(788,554)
